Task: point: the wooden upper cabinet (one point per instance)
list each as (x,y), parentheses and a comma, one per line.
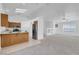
(4,20)
(14,24)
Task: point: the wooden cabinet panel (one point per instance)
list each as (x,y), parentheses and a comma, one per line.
(14,24)
(22,37)
(11,39)
(5,41)
(4,20)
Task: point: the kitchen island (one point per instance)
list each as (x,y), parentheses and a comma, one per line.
(8,39)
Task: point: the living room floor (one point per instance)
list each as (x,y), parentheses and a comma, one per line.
(53,45)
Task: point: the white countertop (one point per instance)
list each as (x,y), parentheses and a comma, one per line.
(10,32)
(3,31)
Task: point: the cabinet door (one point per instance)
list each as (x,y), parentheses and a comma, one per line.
(5,41)
(24,37)
(12,37)
(14,24)
(4,20)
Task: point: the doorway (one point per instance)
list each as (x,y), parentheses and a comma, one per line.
(35,30)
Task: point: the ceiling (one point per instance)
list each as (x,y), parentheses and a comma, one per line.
(47,10)
(30,7)
(10,8)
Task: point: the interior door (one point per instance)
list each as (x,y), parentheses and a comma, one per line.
(34,29)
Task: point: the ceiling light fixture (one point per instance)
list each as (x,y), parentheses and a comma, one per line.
(21,10)
(0,8)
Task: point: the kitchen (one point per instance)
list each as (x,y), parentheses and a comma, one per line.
(16,29)
(24,23)
(11,32)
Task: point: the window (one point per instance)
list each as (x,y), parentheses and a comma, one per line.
(69,27)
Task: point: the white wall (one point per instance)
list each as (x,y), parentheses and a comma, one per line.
(40,28)
(71,15)
(27,25)
(61,31)
(49,13)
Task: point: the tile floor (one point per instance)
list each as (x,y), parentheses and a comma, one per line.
(20,46)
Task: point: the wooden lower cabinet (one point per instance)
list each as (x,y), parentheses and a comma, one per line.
(11,39)
(5,41)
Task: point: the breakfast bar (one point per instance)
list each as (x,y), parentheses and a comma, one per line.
(9,39)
